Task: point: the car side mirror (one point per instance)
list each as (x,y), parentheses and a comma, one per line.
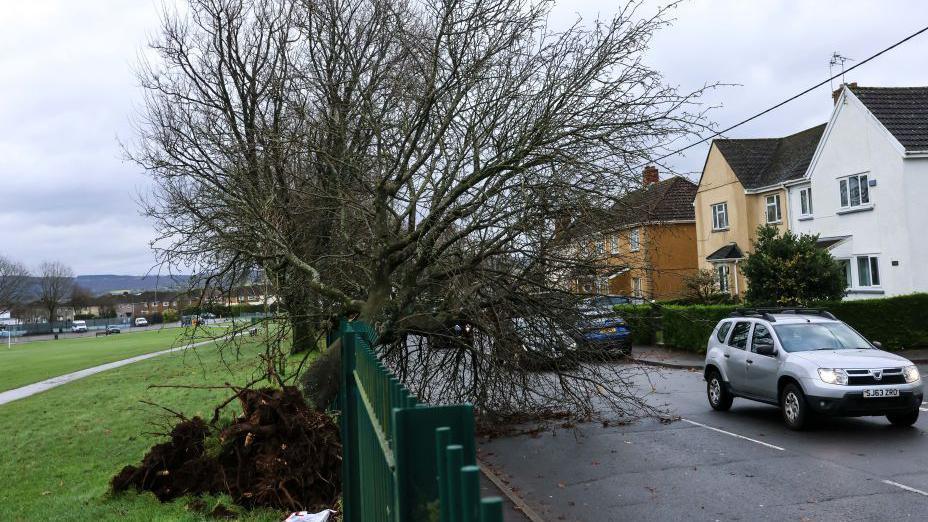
(766,349)
(878,344)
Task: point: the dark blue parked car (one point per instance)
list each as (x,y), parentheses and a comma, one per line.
(602,327)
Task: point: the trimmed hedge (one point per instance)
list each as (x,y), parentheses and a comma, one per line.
(897,322)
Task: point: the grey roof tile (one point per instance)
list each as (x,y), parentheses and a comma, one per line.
(768,161)
(902,110)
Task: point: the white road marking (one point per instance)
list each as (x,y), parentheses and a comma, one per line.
(907,488)
(924,409)
(762,443)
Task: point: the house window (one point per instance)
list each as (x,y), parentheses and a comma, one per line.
(614,244)
(846,266)
(805,201)
(723,272)
(634,239)
(636,286)
(720,216)
(600,247)
(854,191)
(868,271)
(773,209)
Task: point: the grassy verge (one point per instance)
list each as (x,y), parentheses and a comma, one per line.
(36,361)
(61,447)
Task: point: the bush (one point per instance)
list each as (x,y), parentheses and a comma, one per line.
(170,315)
(896,322)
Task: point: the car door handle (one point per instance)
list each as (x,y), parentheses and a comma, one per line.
(750,361)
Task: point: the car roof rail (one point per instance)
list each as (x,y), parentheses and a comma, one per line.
(751,312)
(799,311)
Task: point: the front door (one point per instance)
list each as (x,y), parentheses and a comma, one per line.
(761,370)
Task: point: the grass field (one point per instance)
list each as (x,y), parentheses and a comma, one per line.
(60,448)
(27,363)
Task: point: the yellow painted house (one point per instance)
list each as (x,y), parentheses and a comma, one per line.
(743,185)
(644,245)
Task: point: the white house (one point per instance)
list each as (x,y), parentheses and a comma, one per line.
(866,190)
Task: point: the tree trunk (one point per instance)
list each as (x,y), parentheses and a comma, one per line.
(304,330)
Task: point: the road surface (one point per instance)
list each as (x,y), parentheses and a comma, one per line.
(738,465)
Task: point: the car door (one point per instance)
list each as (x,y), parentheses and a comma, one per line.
(738,342)
(761,370)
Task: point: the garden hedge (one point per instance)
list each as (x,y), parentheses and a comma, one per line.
(897,322)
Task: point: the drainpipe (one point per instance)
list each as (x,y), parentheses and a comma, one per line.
(737,290)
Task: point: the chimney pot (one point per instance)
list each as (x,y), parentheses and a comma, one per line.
(650,175)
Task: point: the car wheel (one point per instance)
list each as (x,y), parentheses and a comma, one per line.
(794,408)
(903,419)
(719,397)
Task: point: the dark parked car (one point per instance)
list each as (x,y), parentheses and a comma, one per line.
(602,326)
(112,329)
(542,346)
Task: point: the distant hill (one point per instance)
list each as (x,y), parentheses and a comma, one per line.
(102,284)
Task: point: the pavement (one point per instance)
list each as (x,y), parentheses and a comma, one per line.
(743,464)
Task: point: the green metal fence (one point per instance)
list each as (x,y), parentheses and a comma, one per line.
(402,460)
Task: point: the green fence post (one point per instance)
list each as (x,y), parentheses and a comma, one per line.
(491,510)
(455,458)
(442,439)
(351,480)
(470,493)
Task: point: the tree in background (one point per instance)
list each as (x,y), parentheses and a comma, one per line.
(791,270)
(14,284)
(80,298)
(405,163)
(702,287)
(56,280)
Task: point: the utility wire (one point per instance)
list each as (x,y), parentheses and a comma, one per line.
(791,98)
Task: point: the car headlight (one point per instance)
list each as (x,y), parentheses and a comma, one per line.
(911,373)
(832,376)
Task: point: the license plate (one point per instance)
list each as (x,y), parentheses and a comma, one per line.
(872,394)
(607,330)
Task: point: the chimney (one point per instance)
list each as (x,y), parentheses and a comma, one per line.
(837,92)
(649,175)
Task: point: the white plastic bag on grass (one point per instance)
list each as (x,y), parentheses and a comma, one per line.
(306,516)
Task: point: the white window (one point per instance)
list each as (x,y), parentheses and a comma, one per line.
(805,201)
(723,272)
(636,286)
(846,265)
(720,216)
(854,191)
(614,244)
(634,239)
(868,271)
(773,209)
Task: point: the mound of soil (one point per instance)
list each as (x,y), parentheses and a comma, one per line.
(279,453)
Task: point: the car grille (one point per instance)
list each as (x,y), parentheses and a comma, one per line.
(864,378)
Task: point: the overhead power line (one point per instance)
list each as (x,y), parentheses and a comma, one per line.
(791,98)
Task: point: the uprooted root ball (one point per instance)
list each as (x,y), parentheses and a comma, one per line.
(279,453)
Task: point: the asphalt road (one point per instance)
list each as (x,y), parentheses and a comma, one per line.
(738,465)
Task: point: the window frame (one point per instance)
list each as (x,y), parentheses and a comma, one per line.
(774,201)
(634,239)
(845,198)
(724,330)
(720,209)
(848,271)
(872,265)
(747,338)
(613,244)
(770,334)
(805,202)
(723,267)
(636,287)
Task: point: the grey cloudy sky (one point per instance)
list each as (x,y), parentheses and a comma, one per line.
(67,96)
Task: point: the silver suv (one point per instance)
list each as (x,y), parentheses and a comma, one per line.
(808,362)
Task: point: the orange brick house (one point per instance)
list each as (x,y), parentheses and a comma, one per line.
(645,244)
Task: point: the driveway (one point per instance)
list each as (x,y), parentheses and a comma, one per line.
(739,465)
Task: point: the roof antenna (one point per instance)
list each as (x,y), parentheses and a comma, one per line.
(837,59)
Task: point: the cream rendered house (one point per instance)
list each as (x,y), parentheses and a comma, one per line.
(744,185)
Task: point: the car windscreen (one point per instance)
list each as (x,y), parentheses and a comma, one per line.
(804,337)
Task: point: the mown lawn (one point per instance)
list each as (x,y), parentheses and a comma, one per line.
(31,362)
(60,448)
